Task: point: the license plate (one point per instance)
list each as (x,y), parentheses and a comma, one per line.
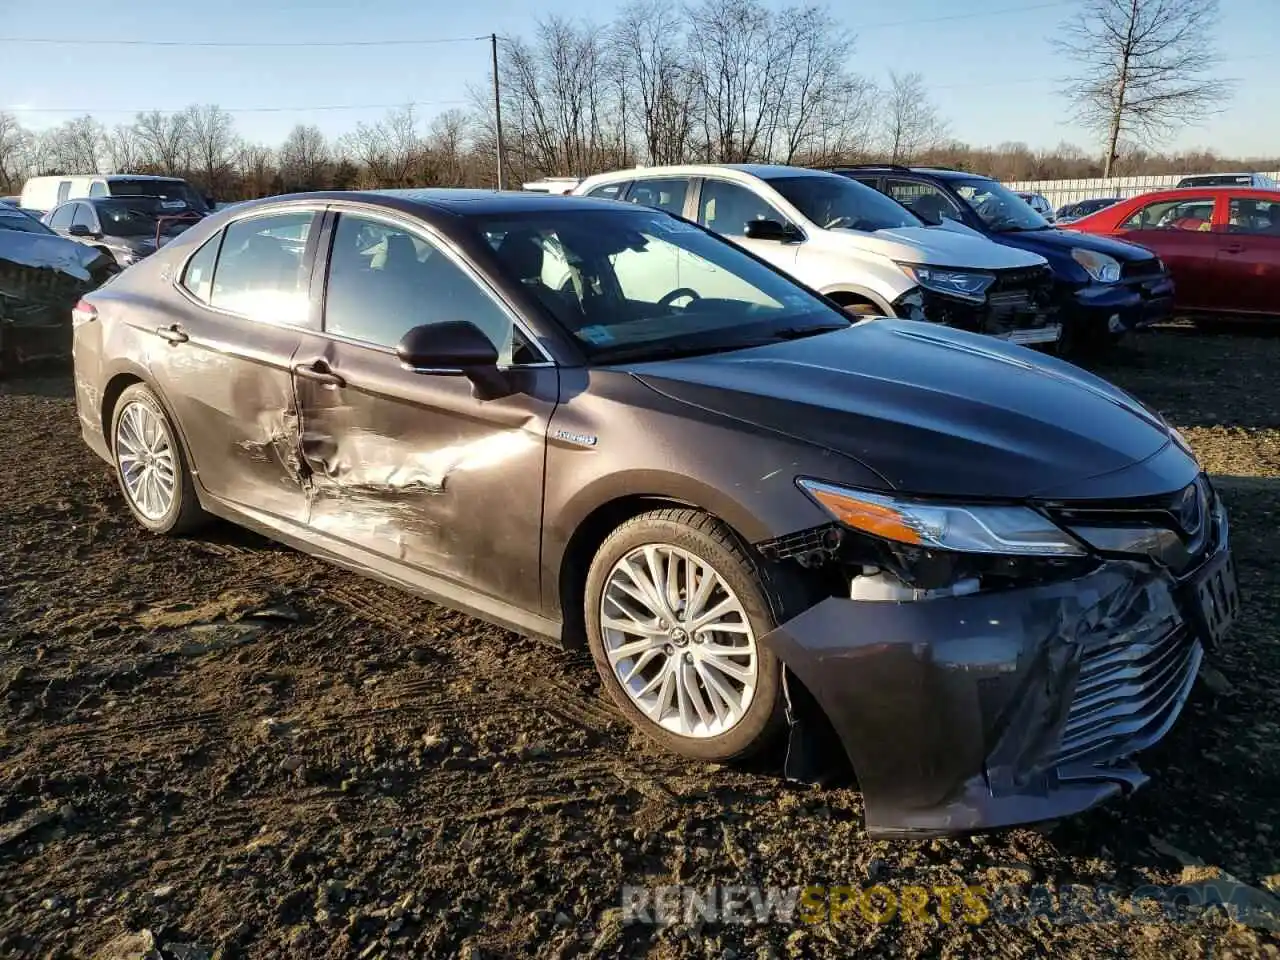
(1047,334)
(1215,598)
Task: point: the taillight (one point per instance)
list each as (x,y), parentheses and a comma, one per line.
(82,313)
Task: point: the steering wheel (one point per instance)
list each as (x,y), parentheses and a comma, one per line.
(676,294)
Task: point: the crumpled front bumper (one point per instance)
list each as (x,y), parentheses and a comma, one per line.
(1129,305)
(999,708)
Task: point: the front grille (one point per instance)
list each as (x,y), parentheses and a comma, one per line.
(1187,514)
(1018,300)
(1133,269)
(1023,279)
(1128,695)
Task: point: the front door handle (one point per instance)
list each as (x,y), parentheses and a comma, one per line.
(319,372)
(173,333)
(1233,248)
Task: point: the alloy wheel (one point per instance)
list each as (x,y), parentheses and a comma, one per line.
(678,640)
(146,458)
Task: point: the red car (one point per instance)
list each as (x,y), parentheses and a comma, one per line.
(1222,244)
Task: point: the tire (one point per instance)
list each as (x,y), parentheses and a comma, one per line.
(762,602)
(859,308)
(138,415)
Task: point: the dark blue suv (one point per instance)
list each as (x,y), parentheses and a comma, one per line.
(1106,287)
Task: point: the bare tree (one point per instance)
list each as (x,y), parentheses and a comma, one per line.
(303,157)
(122,149)
(392,151)
(212,138)
(816,94)
(733,44)
(658,84)
(256,169)
(1144,68)
(447,140)
(913,124)
(164,140)
(74,146)
(15,153)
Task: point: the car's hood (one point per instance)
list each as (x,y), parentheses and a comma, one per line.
(1052,241)
(142,246)
(938,247)
(933,410)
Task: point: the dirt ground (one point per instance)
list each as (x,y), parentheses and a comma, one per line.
(220,747)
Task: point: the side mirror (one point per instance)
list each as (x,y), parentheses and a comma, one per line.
(456,348)
(79,230)
(772,230)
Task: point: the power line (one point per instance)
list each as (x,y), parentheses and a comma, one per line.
(334,106)
(103,42)
(419,41)
(971,15)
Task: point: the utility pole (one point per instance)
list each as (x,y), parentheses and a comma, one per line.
(497,106)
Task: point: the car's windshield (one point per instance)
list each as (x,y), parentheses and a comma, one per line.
(134,217)
(838,202)
(175,195)
(637,284)
(1002,210)
(11,219)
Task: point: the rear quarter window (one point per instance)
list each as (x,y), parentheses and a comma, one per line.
(197,278)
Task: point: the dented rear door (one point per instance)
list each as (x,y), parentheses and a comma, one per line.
(223,363)
(409,465)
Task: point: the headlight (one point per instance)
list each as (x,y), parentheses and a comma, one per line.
(954,283)
(940,526)
(1102,268)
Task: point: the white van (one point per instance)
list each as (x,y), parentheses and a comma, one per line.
(45,193)
(858,247)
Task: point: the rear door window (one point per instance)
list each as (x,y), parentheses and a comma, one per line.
(610,191)
(666,195)
(260,274)
(197,278)
(1247,215)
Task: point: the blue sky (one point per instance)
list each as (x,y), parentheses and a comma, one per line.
(991,73)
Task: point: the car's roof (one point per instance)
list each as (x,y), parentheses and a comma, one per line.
(458,201)
(1206,193)
(942,173)
(735,171)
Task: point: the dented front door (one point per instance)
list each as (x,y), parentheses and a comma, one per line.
(415,468)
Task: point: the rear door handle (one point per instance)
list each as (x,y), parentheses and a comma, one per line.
(1233,248)
(319,372)
(173,333)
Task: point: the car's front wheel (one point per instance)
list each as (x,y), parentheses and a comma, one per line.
(675,609)
(151,465)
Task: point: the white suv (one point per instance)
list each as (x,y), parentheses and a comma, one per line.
(852,243)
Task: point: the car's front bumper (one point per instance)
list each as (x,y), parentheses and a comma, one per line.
(1000,708)
(1124,306)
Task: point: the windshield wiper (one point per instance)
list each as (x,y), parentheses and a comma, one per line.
(647,351)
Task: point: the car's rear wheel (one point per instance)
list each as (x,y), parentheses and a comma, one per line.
(150,464)
(675,609)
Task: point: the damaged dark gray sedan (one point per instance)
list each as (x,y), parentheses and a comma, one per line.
(994,574)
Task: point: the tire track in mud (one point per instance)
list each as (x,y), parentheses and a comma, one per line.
(525,685)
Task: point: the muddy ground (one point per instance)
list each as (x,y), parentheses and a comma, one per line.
(220,747)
